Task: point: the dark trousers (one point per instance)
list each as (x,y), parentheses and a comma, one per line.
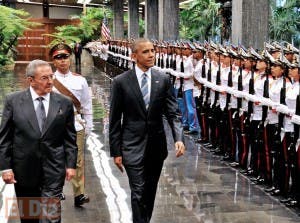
(274,143)
(78,59)
(46,203)
(143,180)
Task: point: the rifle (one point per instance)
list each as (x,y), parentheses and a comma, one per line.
(251,90)
(162,60)
(218,81)
(208,79)
(158,60)
(173,64)
(240,86)
(180,91)
(297,127)
(266,92)
(203,76)
(229,84)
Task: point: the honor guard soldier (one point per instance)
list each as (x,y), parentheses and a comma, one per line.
(74,86)
(275,121)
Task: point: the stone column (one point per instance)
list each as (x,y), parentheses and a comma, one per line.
(168,19)
(250,22)
(151,19)
(133,18)
(118,25)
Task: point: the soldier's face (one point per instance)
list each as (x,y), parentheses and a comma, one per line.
(277,71)
(42,82)
(247,64)
(261,65)
(144,55)
(293,73)
(289,56)
(62,64)
(226,60)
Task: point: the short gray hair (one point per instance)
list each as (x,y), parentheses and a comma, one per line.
(135,44)
(31,67)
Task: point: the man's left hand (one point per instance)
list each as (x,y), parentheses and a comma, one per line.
(179,148)
(70,173)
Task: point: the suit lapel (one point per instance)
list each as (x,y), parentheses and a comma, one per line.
(29,112)
(154,86)
(133,81)
(54,105)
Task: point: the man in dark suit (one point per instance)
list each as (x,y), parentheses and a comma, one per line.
(139,99)
(38,143)
(78,52)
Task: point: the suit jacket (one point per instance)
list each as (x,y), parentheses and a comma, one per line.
(134,132)
(78,49)
(37,158)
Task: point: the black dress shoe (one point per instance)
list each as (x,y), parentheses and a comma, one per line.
(292,203)
(270,189)
(234,164)
(81,199)
(286,200)
(276,192)
(201,140)
(250,173)
(260,181)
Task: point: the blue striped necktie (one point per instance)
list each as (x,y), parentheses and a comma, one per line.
(145,91)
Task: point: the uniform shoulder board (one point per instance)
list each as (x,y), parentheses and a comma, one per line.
(76,74)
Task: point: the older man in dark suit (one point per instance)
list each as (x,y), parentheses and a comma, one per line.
(140,98)
(38,143)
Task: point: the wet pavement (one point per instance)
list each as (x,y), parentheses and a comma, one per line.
(196,188)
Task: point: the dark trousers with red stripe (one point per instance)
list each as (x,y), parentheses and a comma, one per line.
(289,166)
(267,159)
(232,132)
(243,144)
(256,143)
(273,142)
(225,132)
(202,117)
(212,125)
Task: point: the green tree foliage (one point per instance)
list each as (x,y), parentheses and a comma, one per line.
(285,21)
(12,25)
(89,27)
(200,20)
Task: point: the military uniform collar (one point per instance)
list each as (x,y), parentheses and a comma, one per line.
(57,73)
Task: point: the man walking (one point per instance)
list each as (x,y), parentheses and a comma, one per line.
(139,99)
(38,142)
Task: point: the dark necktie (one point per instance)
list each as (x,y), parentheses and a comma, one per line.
(40,113)
(144,89)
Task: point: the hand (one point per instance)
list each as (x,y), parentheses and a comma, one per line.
(70,173)
(9,177)
(87,132)
(119,163)
(179,148)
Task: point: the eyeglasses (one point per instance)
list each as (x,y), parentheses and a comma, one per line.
(61,57)
(46,78)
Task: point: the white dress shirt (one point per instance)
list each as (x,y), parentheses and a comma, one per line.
(36,102)
(139,75)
